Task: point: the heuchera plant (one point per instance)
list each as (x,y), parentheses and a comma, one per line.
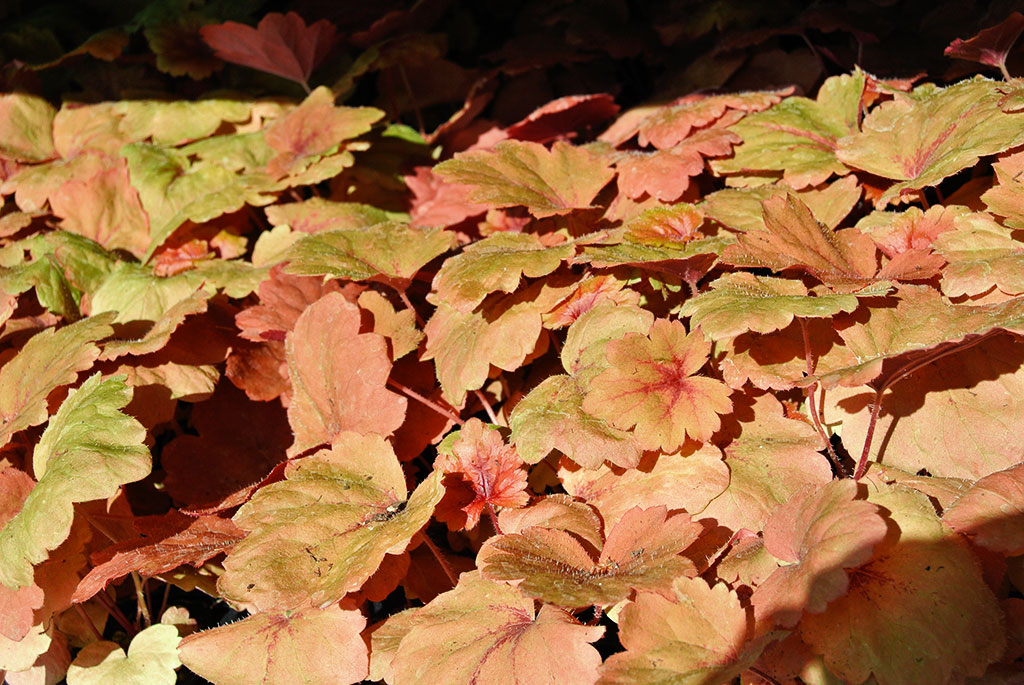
(724,388)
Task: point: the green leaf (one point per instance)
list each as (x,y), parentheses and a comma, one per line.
(324,530)
(495,263)
(932,133)
(151,660)
(547,182)
(176,122)
(26,127)
(741,302)
(386,250)
(798,137)
(88,451)
(51,358)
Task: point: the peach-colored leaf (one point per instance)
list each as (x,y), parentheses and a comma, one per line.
(314,645)
(486,632)
(820,532)
(283,298)
(918,612)
(642,551)
(338,376)
(169,542)
(981,255)
(493,469)
(651,386)
(281,44)
(932,133)
(698,634)
(772,458)
(556,511)
(991,513)
(793,238)
(324,530)
(665,174)
(547,182)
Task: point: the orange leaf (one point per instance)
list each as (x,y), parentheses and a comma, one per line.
(651,385)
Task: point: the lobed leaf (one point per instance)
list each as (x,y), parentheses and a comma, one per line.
(325,529)
(88,450)
(51,358)
(519,173)
(151,660)
(990,513)
(313,645)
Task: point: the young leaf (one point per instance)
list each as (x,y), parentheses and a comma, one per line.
(642,551)
(741,302)
(991,45)
(495,263)
(918,612)
(493,469)
(486,632)
(338,376)
(820,532)
(88,450)
(798,137)
(921,138)
(698,635)
(793,238)
(324,530)
(51,358)
(314,645)
(151,660)
(651,385)
(281,44)
(547,182)
(990,513)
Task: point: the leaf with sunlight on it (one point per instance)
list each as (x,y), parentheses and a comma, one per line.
(642,551)
(991,513)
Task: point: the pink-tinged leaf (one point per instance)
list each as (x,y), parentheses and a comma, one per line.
(564,118)
(317,214)
(677,481)
(313,645)
(324,530)
(651,387)
(991,513)
(793,238)
(820,532)
(982,255)
(487,632)
(590,292)
(174,540)
(798,138)
(17,606)
(922,138)
(283,298)
(698,634)
(437,202)
(558,511)
(104,208)
(493,469)
(26,127)
(338,376)
(1005,198)
(152,657)
(497,262)
(51,358)
(88,450)
(170,261)
(990,46)
(642,551)
(314,128)
(551,417)
(665,127)
(281,44)
(918,612)
(772,458)
(920,320)
(665,174)
(547,182)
